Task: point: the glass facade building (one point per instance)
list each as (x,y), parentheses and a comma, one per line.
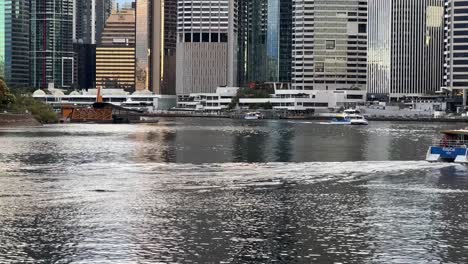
(329,44)
(265,41)
(14,41)
(89,19)
(406,47)
(51,43)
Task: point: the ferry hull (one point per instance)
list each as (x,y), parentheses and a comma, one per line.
(447,154)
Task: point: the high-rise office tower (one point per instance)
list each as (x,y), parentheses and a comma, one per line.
(329,44)
(14,41)
(456,47)
(51,43)
(206,45)
(155,48)
(85,66)
(89,18)
(115,55)
(142,44)
(265,41)
(406,46)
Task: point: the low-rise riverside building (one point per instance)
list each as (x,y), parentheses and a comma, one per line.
(140,100)
(217,101)
(283,98)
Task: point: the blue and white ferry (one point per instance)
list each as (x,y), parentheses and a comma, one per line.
(350,117)
(453,147)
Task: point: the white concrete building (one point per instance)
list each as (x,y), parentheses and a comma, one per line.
(456,46)
(206,45)
(406,45)
(329,44)
(216,101)
(304,100)
(284,98)
(140,100)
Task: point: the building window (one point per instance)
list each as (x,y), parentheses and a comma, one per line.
(205,37)
(196,37)
(319,67)
(188,37)
(223,37)
(362,28)
(214,37)
(354,96)
(330,44)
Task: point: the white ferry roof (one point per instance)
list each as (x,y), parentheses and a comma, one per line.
(456,132)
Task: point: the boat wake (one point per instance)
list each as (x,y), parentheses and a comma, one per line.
(239,175)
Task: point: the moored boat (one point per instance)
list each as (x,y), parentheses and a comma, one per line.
(340,120)
(349,117)
(453,147)
(253,116)
(355,117)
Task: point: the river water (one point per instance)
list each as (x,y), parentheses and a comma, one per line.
(229,191)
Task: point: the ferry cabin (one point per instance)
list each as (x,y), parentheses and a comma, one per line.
(452,147)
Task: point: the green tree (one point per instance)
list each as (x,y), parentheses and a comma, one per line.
(23,102)
(249,93)
(6,98)
(40,111)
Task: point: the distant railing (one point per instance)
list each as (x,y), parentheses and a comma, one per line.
(450,143)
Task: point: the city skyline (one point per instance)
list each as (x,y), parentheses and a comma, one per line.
(387,48)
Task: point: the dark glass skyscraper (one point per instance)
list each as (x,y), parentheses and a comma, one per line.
(51,43)
(265,41)
(89,19)
(14,41)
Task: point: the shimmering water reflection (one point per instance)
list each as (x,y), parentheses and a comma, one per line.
(223,191)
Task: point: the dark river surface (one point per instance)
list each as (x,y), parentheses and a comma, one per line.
(230,191)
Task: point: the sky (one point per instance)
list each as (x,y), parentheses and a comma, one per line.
(123,1)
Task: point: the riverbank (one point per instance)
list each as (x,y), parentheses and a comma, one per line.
(17,120)
(281,115)
(388,118)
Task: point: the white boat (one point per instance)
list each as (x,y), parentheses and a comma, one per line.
(340,120)
(453,147)
(355,117)
(253,116)
(350,117)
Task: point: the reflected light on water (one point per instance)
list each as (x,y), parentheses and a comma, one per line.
(228,191)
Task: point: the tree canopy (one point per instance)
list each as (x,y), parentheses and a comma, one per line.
(23,103)
(251,93)
(6,98)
